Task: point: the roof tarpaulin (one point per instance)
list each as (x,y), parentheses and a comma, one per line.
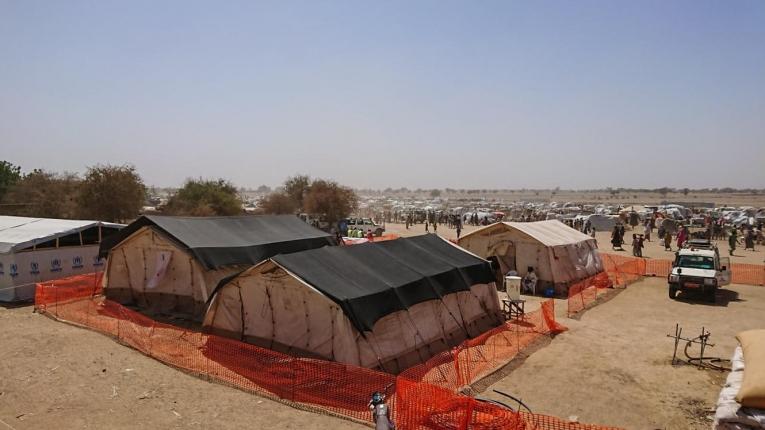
(372,280)
(22,232)
(551,232)
(224,241)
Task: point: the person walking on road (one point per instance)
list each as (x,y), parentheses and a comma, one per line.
(732,240)
(667,241)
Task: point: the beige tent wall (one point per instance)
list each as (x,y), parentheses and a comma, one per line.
(498,239)
(497,242)
(575,261)
(135,275)
(284,314)
(555,266)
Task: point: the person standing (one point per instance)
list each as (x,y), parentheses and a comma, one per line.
(616,239)
(435,227)
(682,237)
(732,240)
(667,241)
(749,239)
(634,245)
(647,230)
(459,230)
(427,230)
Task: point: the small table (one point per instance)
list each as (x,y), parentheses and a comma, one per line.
(514,309)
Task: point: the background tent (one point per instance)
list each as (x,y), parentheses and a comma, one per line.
(559,254)
(40,249)
(386,305)
(172,264)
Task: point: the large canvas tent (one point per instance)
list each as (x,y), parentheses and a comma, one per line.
(40,249)
(386,305)
(559,254)
(171,265)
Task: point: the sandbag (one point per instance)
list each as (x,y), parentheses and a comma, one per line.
(752,392)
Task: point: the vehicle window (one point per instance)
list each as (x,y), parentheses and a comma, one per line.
(696,262)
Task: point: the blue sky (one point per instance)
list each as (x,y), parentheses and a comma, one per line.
(577,94)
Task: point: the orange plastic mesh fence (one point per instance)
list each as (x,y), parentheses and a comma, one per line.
(750,274)
(583,293)
(634,267)
(424,397)
(622,271)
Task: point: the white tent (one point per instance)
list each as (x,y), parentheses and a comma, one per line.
(40,249)
(559,254)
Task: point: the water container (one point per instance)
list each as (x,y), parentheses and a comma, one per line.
(513,287)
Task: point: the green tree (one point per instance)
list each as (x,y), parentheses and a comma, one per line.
(9,175)
(330,199)
(297,187)
(278,203)
(43,194)
(435,193)
(111,193)
(199,197)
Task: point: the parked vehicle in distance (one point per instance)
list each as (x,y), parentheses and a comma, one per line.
(363,224)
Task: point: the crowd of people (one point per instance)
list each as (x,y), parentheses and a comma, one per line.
(714,229)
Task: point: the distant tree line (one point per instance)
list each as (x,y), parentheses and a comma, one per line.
(107,193)
(118,194)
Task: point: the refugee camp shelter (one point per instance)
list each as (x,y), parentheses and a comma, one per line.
(559,254)
(40,249)
(385,305)
(170,265)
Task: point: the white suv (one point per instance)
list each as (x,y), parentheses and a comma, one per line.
(699,270)
(365,224)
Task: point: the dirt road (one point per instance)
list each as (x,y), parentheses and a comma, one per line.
(613,365)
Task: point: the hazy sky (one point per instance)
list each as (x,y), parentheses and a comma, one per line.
(577,94)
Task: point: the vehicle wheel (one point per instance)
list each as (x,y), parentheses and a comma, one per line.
(378,232)
(672,293)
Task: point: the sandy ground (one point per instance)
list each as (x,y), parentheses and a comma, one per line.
(418,229)
(653,249)
(613,365)
(53,375)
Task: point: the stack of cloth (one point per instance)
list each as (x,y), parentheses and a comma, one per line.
(741,405)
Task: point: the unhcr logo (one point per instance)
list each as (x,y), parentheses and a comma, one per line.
(77,262)
(34,268)
(97,261)
(14,270)
(55,265)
